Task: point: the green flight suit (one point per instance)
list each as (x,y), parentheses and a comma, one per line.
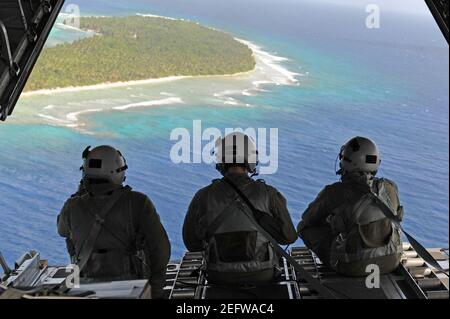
(132,243)
(319,232)
(214,200)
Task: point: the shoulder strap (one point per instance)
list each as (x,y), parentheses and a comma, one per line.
(421,251)
(321,289)
(89,243)
(217,222)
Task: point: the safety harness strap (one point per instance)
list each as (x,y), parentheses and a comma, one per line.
(315,283)
(421,251)
(89,243)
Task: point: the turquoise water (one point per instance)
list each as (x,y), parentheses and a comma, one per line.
(389,84)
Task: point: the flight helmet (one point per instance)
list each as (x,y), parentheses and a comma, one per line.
(359,154)
(236,149)
(103,164)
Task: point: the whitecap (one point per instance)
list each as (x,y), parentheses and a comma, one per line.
(172,100)
(73,117)
(51,118)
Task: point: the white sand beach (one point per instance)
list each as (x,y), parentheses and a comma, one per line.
(71,106)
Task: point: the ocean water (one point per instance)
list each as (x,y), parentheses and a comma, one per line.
(323,77)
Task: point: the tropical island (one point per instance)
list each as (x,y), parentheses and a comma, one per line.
(139,48)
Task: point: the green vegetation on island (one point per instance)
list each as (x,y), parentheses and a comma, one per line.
(139,48)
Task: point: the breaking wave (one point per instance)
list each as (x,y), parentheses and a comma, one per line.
(70,106)
(172,100)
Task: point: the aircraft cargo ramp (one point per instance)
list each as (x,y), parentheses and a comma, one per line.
(412,280)
(32,277)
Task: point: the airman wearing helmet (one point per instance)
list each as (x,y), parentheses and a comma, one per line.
(215,223)
(115,233)
(344,226)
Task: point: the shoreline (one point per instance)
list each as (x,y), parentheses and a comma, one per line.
(268,70)
(120,84)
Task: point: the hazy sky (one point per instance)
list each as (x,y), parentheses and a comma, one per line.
(406,6)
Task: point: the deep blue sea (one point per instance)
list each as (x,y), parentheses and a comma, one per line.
(390,84)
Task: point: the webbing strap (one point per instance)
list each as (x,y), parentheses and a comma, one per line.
(421,251)
(89,243)
(315,283)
